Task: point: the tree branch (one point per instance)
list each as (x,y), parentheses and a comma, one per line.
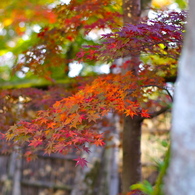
(157,113)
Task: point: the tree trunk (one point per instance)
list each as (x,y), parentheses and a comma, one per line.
(181,172)
(131,152)
(131,171)
(131,11)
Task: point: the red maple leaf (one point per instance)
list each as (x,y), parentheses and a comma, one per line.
(145,114)
(81,161)
(86,149)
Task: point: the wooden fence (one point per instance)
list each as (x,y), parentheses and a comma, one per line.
(49,175)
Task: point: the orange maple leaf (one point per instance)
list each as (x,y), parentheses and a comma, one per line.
(51,125)
(36,142)
(99,142)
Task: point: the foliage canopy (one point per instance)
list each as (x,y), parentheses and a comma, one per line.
(69,122)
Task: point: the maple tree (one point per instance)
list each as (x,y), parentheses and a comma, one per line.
(69,123)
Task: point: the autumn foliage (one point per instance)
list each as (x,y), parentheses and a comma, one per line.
(151,36)
(70,123)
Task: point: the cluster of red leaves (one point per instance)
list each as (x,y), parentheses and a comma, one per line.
(74,20)
(148,37)
(21,104)
(70,123)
